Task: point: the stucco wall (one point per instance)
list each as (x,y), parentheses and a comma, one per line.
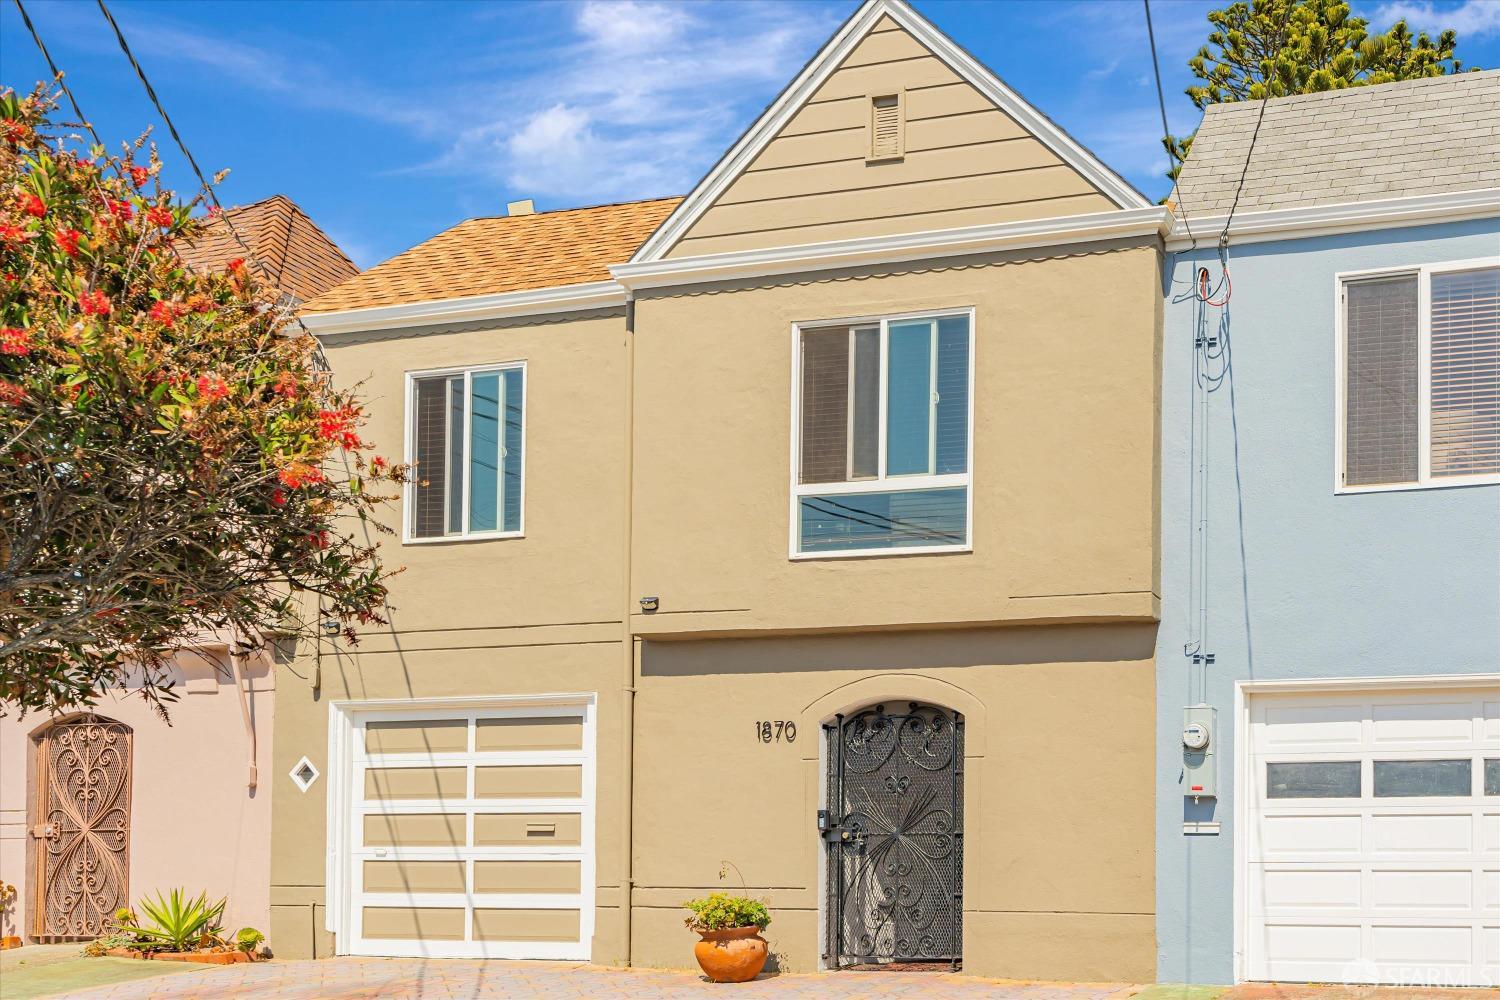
(194,822)
(1064,449)
(1302,582)
(1058,876)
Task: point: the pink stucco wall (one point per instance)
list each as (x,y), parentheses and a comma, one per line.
(194,821)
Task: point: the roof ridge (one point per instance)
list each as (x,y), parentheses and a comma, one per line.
(1448,79)
(580,208)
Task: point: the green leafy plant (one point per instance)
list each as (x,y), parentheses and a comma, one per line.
(247,939)
(102,946)
(719,911)
(177,923)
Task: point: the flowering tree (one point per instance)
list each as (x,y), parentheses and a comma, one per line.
(172,460)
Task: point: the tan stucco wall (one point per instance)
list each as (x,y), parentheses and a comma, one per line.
(538,614)
(1059,879)
(194,821)
(1064,450)
(966,162)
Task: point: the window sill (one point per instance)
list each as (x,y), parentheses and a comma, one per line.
(488,536)
(1454,482)
(913,550)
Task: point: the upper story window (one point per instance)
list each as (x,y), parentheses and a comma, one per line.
(466,432)
(883,421)
(1420,381)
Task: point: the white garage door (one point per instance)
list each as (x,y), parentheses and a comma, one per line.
(472,834)
(1374,838)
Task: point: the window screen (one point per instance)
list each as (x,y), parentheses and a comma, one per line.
(1381,381)
(466,446)
(1466,372)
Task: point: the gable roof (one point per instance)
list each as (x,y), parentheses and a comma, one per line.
(302,260)
(821,66)
(1392,140)
(495,255)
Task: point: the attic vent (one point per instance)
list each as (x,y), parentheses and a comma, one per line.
(887,123)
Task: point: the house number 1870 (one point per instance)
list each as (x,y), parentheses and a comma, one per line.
(776,732)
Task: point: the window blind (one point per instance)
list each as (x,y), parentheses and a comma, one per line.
(1381,381)
(825,406)
(430,455)
(1465,330)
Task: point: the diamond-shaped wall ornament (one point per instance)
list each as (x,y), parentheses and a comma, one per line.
(303,773)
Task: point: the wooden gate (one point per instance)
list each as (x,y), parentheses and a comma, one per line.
(80,827)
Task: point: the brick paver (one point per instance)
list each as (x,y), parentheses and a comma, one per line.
(452,979)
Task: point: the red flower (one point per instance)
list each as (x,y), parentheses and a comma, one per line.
(32,205)
(12,234)
(159,216)
(211,387)
(139,176)
(165,313)
(278,498)
(14,340)
(94,304)
(236,266)
(67,239)
(378,463)
(286,385)
(11,394)
(298,475)
(15,132)
(214,211)
(338,425)
(318,539)
(122,210)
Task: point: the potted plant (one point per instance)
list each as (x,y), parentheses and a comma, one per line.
(731,949)
(7,897)
(179,929)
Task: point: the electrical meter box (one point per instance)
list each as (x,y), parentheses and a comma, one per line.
(1200,753)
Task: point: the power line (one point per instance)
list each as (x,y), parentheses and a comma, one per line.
(1166,130)
(57,73)
(1286,14)
(177,137)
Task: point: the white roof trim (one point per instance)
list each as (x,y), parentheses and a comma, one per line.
(770,123)
(530,302)
(1153,219)
(1344,217)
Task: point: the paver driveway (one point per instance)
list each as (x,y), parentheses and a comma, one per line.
(453,979)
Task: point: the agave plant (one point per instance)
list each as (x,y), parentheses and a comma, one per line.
(176,922)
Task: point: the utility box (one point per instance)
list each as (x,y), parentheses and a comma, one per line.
(1200,754)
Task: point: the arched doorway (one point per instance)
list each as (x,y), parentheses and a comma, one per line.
(80,826)
(893,835)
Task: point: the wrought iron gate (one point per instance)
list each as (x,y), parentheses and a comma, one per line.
(893,831)
(81,826)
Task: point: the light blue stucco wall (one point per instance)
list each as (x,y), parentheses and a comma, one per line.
(1301,582)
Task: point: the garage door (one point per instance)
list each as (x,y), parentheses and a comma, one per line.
(472,834)
(1374,838)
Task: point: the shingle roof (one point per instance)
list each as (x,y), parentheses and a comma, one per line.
(300,258)
(1392,140)
(513,253)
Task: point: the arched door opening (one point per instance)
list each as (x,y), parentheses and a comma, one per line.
(80,825)
(893,835)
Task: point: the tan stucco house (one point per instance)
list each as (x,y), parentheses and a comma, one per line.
(99,809)
(802,529)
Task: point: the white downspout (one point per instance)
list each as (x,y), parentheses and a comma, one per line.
(235,658)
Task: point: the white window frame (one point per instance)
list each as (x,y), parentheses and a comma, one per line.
(408,493)
(881,483)
(1423,273)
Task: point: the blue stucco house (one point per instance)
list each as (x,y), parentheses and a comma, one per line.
(1329,650)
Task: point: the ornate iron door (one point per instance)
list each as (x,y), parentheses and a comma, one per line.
(82,827)
(894,836)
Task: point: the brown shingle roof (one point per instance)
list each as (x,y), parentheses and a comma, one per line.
(300,258)
(505,254)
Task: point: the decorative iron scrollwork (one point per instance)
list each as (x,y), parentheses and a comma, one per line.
(895,794)
(84,811)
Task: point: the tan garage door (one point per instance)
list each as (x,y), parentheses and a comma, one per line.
(471,834)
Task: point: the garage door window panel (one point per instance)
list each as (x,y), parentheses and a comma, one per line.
(1405,779)
(1492,777)
(1338,779)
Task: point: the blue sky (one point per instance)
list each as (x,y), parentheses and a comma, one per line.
(390,121)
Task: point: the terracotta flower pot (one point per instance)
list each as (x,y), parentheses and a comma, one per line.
(733,956)
(9,941)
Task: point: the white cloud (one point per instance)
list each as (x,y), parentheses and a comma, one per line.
(1470,19)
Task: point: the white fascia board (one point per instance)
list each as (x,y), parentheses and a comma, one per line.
(822,66)
(1344,217)
(938,243)
(530,302)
